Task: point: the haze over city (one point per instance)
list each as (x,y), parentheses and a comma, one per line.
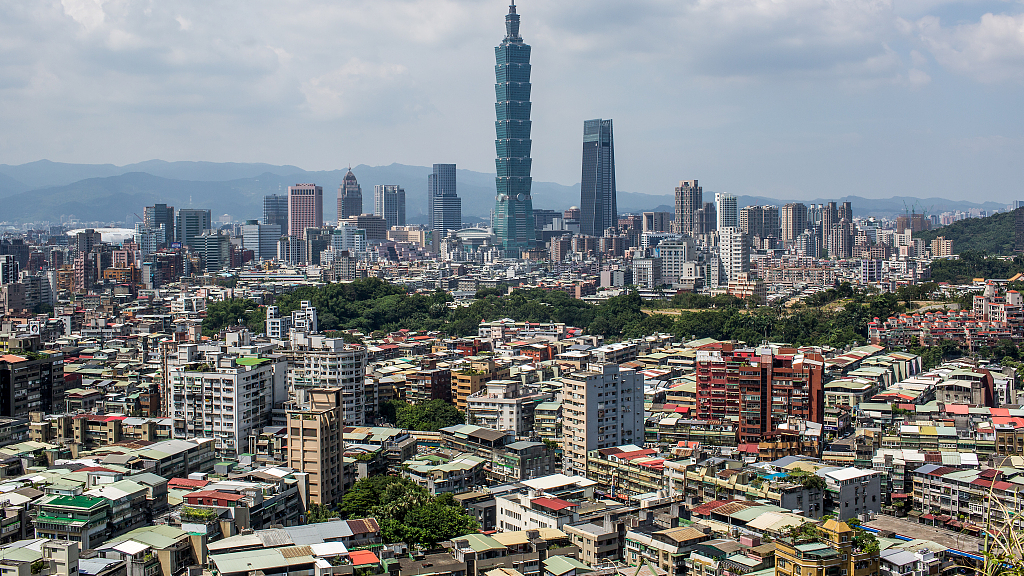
(798,99)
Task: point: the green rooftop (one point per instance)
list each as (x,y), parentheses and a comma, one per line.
(251,361)
(76,501)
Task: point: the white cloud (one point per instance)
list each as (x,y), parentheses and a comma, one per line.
(990,50)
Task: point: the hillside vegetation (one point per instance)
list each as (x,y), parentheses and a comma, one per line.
(993,235)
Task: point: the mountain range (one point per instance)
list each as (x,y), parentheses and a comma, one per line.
(54,191)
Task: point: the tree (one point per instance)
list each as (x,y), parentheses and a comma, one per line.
(428,417)
(317,513)
(406,512)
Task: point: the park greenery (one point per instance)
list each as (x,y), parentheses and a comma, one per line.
(406,511)
(836,317)
(427,417)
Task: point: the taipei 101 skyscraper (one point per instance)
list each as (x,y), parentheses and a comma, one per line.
(513,209)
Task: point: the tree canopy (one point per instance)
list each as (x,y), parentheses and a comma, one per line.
(426,417)
(994,234)
(406,512)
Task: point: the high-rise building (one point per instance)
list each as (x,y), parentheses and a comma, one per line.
(689,199)
(190,223)
(261,239)
(728,216)
(734,253)
(444,205)
(246,391)
(160,215)
(389,203)
(656,221)
(598,208)
(350,197)
(275,211)
(705,219)
(793,220)
(603,408)
(773,385)
(215,249)
(305,209)
(513,206)
(322,362)
(9,269)
(845,212)
(316,445)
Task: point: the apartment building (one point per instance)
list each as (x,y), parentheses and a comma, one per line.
(760,389)
(467,381)
(317,362)
(31,382)
(315,444)
(602,407)
(222,396)
(505,405)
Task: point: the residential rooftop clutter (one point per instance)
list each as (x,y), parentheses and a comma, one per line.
(177,409)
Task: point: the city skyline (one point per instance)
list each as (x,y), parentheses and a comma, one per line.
(883,77)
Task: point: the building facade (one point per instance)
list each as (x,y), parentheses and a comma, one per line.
(513,207)
(602,407)
(389,203)
(350,197)
(598,207)
(305,209)
(444,205)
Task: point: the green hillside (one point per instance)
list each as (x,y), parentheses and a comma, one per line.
(993,235)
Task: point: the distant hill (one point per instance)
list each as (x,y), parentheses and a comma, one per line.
(993,235)
(45,190)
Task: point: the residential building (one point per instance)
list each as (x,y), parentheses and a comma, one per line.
(319,362)
(33,382)
(315,444)
(598,207)
(675,255)
(389,204)
(852,492)
(657,221)
(760,389)
(444,205)
(468,381)
(793,221)
(305,209)
(728,216)
(689,199)
(226,397)
(602,407)
(647,272)
(505,405)
(81,519)
(832,552)
(941,247)
(350,197)
(734,252)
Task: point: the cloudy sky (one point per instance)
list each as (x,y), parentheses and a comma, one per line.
(787,98)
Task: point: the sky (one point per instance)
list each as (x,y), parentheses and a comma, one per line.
(783,98)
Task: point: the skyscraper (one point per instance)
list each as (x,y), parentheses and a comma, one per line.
(598,209)
(727,214)
(444,207)
(689,199)
(275,210)
(513,206)
(350,197)
(160,215)
(733,252)
(793,219)
(389,203)
(190,223)
(305,209)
